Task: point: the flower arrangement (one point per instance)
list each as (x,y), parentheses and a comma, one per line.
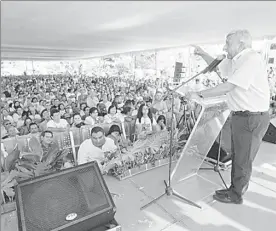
(28,163)
(150,150)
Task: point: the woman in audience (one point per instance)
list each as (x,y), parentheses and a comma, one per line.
(16,105)
(86,113)
(93,117)
(82,109)
(6,116)
(45,115)
(161,123)
(19,117)
(105,100)
(24,130)
(159,104)
(61,109)
(77,121)
(115,134)
(145,123)
(112,115)
(34,114)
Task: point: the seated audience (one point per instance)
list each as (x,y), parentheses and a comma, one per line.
(93,117)
(161,123)
(56,123)
(77,121)
(145,123)
(96,148)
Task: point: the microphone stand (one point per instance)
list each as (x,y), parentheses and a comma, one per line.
(169,191)
(168,187)
(217,167)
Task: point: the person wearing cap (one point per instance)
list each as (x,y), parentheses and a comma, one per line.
(247,92)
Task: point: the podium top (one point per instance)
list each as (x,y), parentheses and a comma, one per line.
(207,102)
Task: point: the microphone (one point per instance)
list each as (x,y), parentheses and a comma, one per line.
(213,65)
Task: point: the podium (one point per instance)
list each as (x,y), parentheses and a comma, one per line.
(211,114)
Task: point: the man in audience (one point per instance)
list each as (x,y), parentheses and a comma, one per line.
(12,132)
(33,128)
(56,123)
(48,144)
(96,148)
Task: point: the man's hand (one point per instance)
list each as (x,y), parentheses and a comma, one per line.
(198,50)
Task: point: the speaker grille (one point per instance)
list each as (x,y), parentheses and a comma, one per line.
(48,202)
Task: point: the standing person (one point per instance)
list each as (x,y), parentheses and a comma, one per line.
(247,91)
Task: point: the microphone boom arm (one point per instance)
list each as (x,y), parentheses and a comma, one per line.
(210,68)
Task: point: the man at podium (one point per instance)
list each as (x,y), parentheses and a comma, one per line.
(248,96)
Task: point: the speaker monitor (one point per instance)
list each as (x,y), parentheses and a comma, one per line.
(69,200)
(270,135)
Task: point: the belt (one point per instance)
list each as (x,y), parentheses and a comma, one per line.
(247,113)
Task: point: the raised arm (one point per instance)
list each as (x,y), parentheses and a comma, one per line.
(203,54)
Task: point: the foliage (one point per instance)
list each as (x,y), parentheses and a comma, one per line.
(8,181)
(154,147)
(28,163)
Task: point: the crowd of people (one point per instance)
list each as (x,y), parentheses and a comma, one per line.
(58,103)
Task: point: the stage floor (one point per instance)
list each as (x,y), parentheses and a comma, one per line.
(170,214)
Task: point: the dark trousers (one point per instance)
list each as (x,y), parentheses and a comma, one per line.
(247,132)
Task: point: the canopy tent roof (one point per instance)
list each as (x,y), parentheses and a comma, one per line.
(75,30)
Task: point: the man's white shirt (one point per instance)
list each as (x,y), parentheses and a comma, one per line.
(248,73)
(62,124)
(89,152)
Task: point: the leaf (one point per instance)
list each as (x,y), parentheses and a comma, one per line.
(41,169)
(4,176)
(61,155)
(32,157)
(11,158)
(51,155)
(24,176)
(9,185)
(9,192)
(9,177)
(24,170)
(8,182)
(35,147)
(110,164)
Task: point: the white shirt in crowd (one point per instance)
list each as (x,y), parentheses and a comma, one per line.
(62,124)
(89,152)
(89,120)
(248,72)
(146,123)
(107,104)
(110,119)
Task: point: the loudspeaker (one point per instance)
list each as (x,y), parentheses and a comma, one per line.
(270,135)
(75,199)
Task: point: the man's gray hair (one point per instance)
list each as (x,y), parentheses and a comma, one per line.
(243,36)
